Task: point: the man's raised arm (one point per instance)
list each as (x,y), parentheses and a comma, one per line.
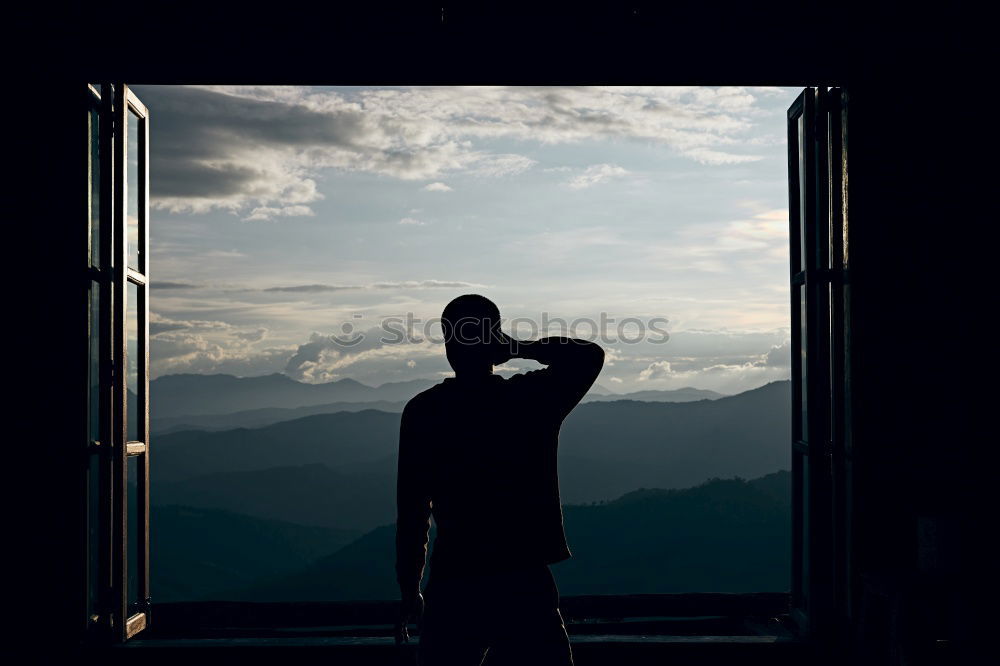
(573,365)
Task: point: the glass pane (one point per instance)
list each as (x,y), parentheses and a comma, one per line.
(833,192)
(94,379)
(803,188)
(804,582)
(134,187)
(94,177)
(133,536)
(133,359)
(803,377)
(93,533)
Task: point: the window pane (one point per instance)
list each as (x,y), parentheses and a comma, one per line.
(804,582)
(133,536)
(804,371)
(134,186)
(94,177)
(133,359)
(803,187)
(94,379)
(93,533)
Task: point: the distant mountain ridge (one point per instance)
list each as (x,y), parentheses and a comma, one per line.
(311,494)
(303,470)
(686,394)
(221,402)
(194,394)
(330,439)
(257,418)
(201,553)
(723,535)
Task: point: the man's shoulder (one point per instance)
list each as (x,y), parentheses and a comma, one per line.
(426,399)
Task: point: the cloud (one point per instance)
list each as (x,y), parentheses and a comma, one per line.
(426,284)
(201,345)
(171,285)
(412,222)
(270,212)
(183,351)
(437,187)
(596,173)
(717,157)
(159,324)
(398,284)
(224,254)
(311,288)
(779,356)
(252,336)
(657,370)
(373,352)
(256,151)
(497,166)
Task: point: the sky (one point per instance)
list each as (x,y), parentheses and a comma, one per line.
(292,229)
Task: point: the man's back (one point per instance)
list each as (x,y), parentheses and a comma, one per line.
(487,452)
(479,451)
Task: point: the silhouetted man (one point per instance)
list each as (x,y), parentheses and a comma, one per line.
(479,453)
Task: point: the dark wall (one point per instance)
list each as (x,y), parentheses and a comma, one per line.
(918,216)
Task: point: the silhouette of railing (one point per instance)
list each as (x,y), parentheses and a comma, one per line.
(652,614)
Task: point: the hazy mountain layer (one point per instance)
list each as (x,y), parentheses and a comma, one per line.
(200,553)
(675,395)
(721,536)
(298,399)
(606,449)
(305,494)
(258,418)
(187,394)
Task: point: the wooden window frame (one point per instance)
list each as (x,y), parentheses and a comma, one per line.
(821,369)
(117,618)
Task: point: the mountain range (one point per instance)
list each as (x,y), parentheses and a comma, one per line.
(295,500)
(289,399)
(303,470)
(200,553)
(194,394)
(726,535)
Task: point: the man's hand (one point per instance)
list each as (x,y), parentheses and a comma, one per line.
(411,608)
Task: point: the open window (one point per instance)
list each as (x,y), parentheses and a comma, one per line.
(117,469)
(820,305)
(118,464)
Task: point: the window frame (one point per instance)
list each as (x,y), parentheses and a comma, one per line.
(114,617)
(821,446)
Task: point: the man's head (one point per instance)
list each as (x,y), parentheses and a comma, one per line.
(471,326)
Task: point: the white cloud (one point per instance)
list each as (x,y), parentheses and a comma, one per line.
(270,212)
(223,254)
(371,353)
(259,149)
(717,157)
(498,166)
(437,187)
(779,356)
(657,370)
(192,345)
(412,222)
(595,174)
